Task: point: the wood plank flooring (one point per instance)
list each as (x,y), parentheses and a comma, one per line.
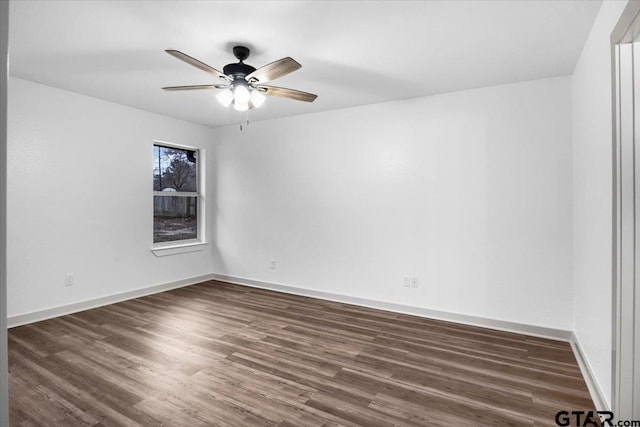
(216,354)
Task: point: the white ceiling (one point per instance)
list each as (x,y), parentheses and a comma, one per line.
(352,52)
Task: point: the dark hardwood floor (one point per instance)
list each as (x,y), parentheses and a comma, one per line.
(221,354)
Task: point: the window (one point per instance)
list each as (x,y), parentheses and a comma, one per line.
(176,194)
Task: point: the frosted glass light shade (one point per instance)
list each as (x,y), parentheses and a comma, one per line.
(225,97)
(257,98)
(241,94)
(239,106)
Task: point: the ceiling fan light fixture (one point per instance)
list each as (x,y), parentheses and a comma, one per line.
(240,106)
(257,98)
(241,93)
(225,97)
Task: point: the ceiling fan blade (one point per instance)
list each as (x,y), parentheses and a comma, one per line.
(272,71)
(195,87)
(198,64)
(298,95)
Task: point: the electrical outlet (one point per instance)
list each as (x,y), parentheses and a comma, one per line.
(273,264)
(409,282)
(68,279)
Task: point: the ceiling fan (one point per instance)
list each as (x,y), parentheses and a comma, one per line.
(243,85)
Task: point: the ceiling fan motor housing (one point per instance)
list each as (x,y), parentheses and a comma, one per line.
(239,70)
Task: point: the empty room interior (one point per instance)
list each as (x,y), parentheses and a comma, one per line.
(319,213)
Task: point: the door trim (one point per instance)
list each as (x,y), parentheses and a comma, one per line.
(625,215)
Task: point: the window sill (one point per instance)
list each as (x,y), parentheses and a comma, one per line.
(178,248)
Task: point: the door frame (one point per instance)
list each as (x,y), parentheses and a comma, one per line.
(626,214)
(4,76)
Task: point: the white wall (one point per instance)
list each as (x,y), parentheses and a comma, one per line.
(469,191)
(80,181)
(592,195)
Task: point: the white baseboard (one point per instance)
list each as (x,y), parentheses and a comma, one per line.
(36,316)
(520,328)
(592,384)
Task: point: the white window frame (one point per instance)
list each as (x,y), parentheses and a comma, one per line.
(189,245)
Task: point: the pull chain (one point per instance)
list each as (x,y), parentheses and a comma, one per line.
(247,121)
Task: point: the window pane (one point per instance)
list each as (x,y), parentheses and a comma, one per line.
(174,218)
(174,169)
